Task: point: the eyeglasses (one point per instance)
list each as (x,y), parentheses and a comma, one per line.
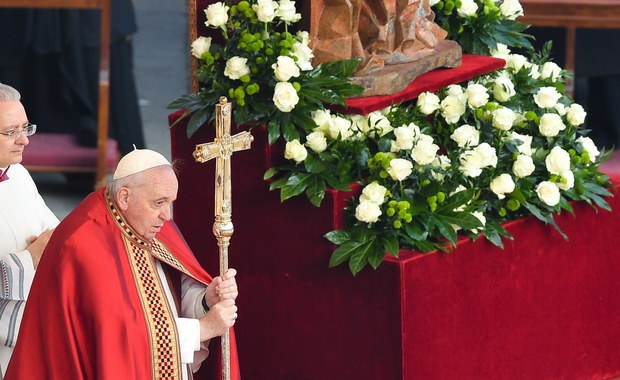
(29,130)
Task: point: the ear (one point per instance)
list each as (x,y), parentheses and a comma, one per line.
(122,198)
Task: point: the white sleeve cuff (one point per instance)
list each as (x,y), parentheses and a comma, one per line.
(189,338)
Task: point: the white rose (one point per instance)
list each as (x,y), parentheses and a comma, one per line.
(452,108)
(304,36)
(503,88)
(503,118)
(557,161)
(373,193)
(526,143)
(340,127)
(405,136)
(217,14)
(443,162)
(548,192)
(424,151)
(588,145)
(200,46)
(433,2)
(400,169)
(502,51)
(285,68)
(265,10)
(287,12)
(550,125)
(516,61)
(534,71)
(466,136)
(567,180)
(480,216)
(477,95)
(428,103)
(321,118)
(236,67)
(523,166)
(316,141)
(379,123)
(467,8)
(285,96)
(511,9)
(294,150)
(454,89)
(304,55)
(502,184)
(488,155)
(550,70)
(471,163)
(367,212)
(575,114)
(360,123)
(547,97)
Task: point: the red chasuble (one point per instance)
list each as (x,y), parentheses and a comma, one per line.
(97,309)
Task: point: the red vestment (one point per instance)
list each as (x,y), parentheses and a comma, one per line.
(87,316)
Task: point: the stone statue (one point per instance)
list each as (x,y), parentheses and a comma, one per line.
(397,40)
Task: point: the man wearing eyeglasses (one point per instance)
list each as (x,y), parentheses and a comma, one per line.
(26,223)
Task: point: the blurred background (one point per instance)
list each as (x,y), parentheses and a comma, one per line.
(161,71)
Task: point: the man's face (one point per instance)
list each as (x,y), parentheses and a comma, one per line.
(148,205)
(12,117)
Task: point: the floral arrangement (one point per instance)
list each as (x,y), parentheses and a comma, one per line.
(461,161)
(264,69)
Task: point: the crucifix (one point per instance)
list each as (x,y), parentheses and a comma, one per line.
(222,149)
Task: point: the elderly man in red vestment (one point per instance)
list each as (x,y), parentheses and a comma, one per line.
(118,293)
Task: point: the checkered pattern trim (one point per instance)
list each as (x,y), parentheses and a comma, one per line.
(165,355)
(162,253)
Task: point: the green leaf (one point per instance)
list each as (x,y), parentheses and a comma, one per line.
(343,253)
(270,173)
(295,185)
(338,237)
(316,190)
(376,254)
(359,258)
(390,244)
(444,228)
(273,130)
(198,119)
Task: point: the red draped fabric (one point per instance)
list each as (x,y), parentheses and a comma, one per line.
(542,308)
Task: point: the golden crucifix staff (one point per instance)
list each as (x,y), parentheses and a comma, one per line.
(222,149)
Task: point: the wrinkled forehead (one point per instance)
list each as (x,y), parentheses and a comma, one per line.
(160,182)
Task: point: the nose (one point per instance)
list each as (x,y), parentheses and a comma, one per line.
(166,213)
(22,139)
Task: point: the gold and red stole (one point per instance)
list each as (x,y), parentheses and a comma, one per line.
(162,330)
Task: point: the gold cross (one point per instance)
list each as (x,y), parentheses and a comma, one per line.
(222,149)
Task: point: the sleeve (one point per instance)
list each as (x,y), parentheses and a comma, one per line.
(192,293)
(17,272)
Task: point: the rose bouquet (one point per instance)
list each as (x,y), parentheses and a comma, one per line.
(502,146)
(264,69)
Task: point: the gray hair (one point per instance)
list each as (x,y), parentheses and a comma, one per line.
(8,93)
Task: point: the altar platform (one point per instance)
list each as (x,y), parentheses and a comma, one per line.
(542,308)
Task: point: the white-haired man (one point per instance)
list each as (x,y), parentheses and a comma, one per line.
(104,302)
(26,223)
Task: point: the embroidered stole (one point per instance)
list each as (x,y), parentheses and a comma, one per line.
(162,330)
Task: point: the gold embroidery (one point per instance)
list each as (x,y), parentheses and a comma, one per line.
(162,330)
(165,356)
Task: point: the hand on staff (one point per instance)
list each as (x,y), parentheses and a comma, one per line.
(222,288)
(218,319)
(37,245)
